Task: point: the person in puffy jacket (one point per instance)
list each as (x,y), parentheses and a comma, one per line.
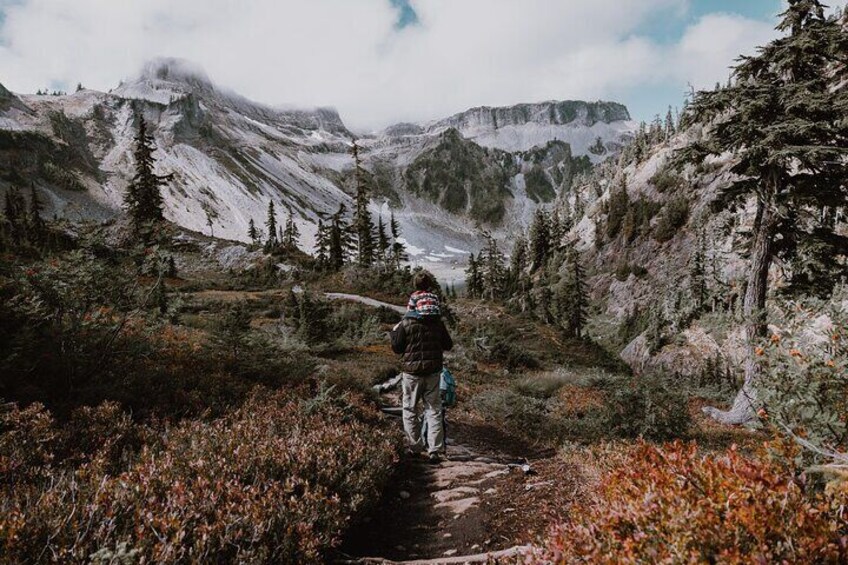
(421,339)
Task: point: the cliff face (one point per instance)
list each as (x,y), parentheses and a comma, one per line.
(574,112)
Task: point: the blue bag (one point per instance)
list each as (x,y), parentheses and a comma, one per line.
(447,386)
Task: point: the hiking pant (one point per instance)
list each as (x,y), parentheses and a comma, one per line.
(419,390)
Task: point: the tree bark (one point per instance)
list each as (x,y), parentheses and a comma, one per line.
(753,307)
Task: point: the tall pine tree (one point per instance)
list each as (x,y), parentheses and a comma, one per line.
(143,198)
(783,117)
(362,227)
(398,253)
(271,226)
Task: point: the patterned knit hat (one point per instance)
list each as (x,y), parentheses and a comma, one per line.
(425,303)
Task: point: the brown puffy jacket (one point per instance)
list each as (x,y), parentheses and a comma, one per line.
(421,341)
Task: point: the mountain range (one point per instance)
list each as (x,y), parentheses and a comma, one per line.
(229,156)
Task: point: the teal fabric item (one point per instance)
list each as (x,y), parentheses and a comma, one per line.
(447,385)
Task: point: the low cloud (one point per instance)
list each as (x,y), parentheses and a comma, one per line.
(354,56)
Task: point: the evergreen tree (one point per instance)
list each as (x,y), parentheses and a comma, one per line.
(698,275)
(37,226)
(669,128)
(362,225)
(15,212)
(339,240)
(784,119)
(473,278)
(271,225)
(322,245)
(398,248)
(540,240)
(492,269)
(383,245)
(291,234)
(143,198)
(576,296)
(252,232)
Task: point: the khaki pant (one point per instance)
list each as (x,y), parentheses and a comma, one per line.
(417,390)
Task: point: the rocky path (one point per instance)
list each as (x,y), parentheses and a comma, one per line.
(436,513)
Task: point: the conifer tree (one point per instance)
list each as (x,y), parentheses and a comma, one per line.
(322,244)
(383,245)
(143,198)
(339,240)
(783,118)
(252,232)
(698,275)
(37,226)
(398,248)
(271,225)
(492,269)
(291,234)
(362,226)
(540,240)
(473,278)
(669,128)
(15,212)
(577,301)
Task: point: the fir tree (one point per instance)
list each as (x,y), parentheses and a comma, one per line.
(271,225)
(398,248)
(322,246)
(143,199)
(362,227)
(540,240)
(668,127)
(291,234)
(698,275)
(576,297)
(37,226)
(383,244)
(339,240)
(492,269)
(252,232)
(783,118)
(473,278)
(15,212)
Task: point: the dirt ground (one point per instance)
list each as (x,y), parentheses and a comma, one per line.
(493,492)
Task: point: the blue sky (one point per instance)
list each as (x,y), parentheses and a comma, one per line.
(383,61)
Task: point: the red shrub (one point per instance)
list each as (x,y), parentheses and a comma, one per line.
(672,505)
(267,483)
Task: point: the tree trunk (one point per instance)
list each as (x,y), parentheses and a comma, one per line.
(753,307)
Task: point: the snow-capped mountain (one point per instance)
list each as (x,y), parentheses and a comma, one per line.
(230,156)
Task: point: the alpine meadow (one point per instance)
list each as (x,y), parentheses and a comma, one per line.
(541,329)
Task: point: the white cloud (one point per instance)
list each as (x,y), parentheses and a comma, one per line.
(349,54)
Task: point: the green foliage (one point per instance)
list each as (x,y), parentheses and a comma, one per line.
(674,216)
(143,198)
(649,406)
(804,387)
(624,270)
(666,179)
(538,186)
(617,208)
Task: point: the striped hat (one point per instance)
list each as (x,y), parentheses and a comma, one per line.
(425,303)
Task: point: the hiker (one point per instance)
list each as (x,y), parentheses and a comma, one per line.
(421,338)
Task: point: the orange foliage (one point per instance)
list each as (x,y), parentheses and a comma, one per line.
(670,504)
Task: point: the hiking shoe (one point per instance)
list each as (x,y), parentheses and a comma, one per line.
(434,459)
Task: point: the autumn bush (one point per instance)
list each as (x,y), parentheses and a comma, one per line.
(673,504)
(276,480)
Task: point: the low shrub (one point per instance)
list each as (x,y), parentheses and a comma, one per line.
(649,406)
(671,504)
(518,413)
(270,482)
(666,179)
(674,216)
(624,270)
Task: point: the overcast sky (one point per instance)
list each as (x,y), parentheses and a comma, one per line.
(384,61)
